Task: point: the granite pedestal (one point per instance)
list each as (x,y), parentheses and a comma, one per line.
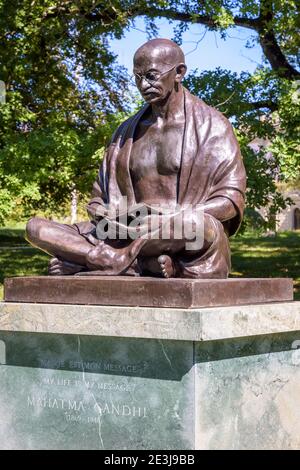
(103,377)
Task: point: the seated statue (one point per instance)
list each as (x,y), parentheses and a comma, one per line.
(178,162)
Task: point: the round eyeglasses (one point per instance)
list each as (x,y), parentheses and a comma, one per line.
(151,77)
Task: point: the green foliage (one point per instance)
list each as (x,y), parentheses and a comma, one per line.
(65,95)
(65,92)
(253,223)
(39,169)
(223,17)
(286,145)
(6,205)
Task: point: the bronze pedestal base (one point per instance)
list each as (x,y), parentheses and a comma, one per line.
(147,292)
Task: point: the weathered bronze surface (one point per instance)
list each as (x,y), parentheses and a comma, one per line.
(176,153)
(146,292)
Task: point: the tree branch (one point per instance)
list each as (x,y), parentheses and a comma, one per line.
(262,25)
(270,45)
(252,105)
(271,105)
(251,23)
(105,13)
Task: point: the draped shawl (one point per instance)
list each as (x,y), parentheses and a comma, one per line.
(211,163)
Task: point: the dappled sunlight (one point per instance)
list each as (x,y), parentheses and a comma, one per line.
(277,256)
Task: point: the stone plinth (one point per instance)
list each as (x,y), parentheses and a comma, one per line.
(100,377)
(146,292)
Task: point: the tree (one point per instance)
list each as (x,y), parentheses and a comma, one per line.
(275,22)
(63,88)
(63,82)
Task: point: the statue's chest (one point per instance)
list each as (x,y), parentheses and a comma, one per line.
(157,150)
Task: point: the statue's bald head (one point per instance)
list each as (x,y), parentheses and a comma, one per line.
(163,51)
(158,66)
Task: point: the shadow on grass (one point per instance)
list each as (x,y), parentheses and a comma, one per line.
(18,257)
(21,262)
(12,236)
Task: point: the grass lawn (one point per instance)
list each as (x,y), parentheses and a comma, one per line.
(17,258)
(277,256)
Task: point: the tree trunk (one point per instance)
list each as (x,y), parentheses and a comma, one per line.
(74,204)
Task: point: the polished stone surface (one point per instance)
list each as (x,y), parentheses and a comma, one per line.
(80,392)
(147,291)
(248,393)
(200,324)
(214,378)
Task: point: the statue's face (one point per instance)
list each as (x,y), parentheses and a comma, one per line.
(155,77)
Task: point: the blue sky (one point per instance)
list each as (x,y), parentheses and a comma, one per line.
(211,51)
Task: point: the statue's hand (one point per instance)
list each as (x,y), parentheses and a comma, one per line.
(93,212)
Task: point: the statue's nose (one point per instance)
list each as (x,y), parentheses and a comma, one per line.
(144,85)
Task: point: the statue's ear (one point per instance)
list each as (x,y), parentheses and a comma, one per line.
(180,72)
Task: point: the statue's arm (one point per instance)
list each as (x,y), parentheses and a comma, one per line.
(221,208)
(225,199)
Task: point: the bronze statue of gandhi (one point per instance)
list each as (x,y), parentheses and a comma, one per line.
(176,153)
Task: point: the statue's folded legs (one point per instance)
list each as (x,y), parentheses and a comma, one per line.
(75,248)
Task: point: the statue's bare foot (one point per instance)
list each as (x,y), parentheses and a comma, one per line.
(113,261)
(167,266)
(161,266)
(58,267)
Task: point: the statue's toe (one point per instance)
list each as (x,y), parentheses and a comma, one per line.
(166,266)
(55,267)
(53,262)
(58,267)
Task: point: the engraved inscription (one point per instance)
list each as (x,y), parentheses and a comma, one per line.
(82,408)
(94,366)
(58,403)
(89,384)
